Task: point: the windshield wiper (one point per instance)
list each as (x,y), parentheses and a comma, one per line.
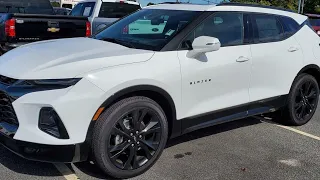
(120,42)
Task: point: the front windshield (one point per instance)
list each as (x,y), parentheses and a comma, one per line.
(149,29)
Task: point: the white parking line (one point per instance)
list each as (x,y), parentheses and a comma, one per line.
(290,129)
(66,172)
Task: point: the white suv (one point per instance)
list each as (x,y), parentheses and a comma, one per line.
(156,74)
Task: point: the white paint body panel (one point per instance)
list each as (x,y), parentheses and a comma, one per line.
(107,68)
(227,80)
(274,68)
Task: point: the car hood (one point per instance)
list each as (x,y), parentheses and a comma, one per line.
(66,58)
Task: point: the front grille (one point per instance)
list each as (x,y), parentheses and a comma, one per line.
(7,112)
(7,81)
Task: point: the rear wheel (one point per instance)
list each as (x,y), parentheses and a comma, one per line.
(129,137)
(303,100)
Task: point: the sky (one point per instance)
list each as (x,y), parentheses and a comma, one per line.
(145,2)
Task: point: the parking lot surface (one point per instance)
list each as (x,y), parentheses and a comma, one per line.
(251,148)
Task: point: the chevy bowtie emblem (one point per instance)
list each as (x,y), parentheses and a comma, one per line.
(53,30)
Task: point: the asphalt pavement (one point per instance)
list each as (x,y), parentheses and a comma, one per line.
(252,148)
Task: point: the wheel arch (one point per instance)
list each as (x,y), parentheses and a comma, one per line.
(313,70)
(155,93)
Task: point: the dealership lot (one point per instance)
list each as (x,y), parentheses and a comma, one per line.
(245,149)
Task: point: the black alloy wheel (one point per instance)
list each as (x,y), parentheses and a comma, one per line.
(306,99)
(134,139)
(129,137)
(302,100)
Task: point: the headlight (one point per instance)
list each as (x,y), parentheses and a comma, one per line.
(51,82)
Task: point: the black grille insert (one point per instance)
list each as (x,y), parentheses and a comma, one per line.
(7,112)
(7,81)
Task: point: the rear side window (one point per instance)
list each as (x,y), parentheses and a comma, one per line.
(267,28)
(83,9)
(117,10)
(290,26)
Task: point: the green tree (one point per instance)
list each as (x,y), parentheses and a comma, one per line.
(55,4)
(311,6)
(150,4)
(287,4)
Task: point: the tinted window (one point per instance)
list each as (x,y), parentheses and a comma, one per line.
(267,28)
(117,10)
(314,21)
(227,27)
(26,6)
(290,26)
(83,9)
(149,29)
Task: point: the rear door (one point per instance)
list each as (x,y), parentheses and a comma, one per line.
(112,11)
(276,56)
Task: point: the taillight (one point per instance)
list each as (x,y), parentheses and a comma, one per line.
(10,28)
(88,29)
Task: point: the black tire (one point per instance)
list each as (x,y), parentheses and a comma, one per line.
(302,101)
(107,141)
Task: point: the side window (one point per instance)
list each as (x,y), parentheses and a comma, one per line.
(290,26)
(117,10)
(267,28)
(227,27)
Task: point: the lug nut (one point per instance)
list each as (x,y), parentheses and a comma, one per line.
(131,134)
(138,142)
(137,132)
(129,140)
(132,145)
(140,136)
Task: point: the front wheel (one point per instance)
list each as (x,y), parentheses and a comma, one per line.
(303,100)
(129,137)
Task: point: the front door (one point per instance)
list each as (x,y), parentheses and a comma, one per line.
(217,80)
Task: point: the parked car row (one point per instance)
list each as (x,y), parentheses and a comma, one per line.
(117,97)
(26,21)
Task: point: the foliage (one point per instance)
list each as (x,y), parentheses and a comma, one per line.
(55,4)
(287,4)
(312,6)
(150,4)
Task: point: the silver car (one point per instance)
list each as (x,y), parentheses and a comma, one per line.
(101,13)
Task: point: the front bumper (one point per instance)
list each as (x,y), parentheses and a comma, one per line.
(44,153)
(75,106)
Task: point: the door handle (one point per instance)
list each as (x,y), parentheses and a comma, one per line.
(242,59)
(293,49)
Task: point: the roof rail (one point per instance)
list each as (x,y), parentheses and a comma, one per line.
(253,5)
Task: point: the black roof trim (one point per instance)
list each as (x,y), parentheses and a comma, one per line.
(254,5)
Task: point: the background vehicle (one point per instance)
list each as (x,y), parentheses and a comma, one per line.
(25,21)
(119,95)
(61,11)
(69,3)
(104,12)
(315,22)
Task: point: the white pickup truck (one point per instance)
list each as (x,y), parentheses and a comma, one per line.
(101,13)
